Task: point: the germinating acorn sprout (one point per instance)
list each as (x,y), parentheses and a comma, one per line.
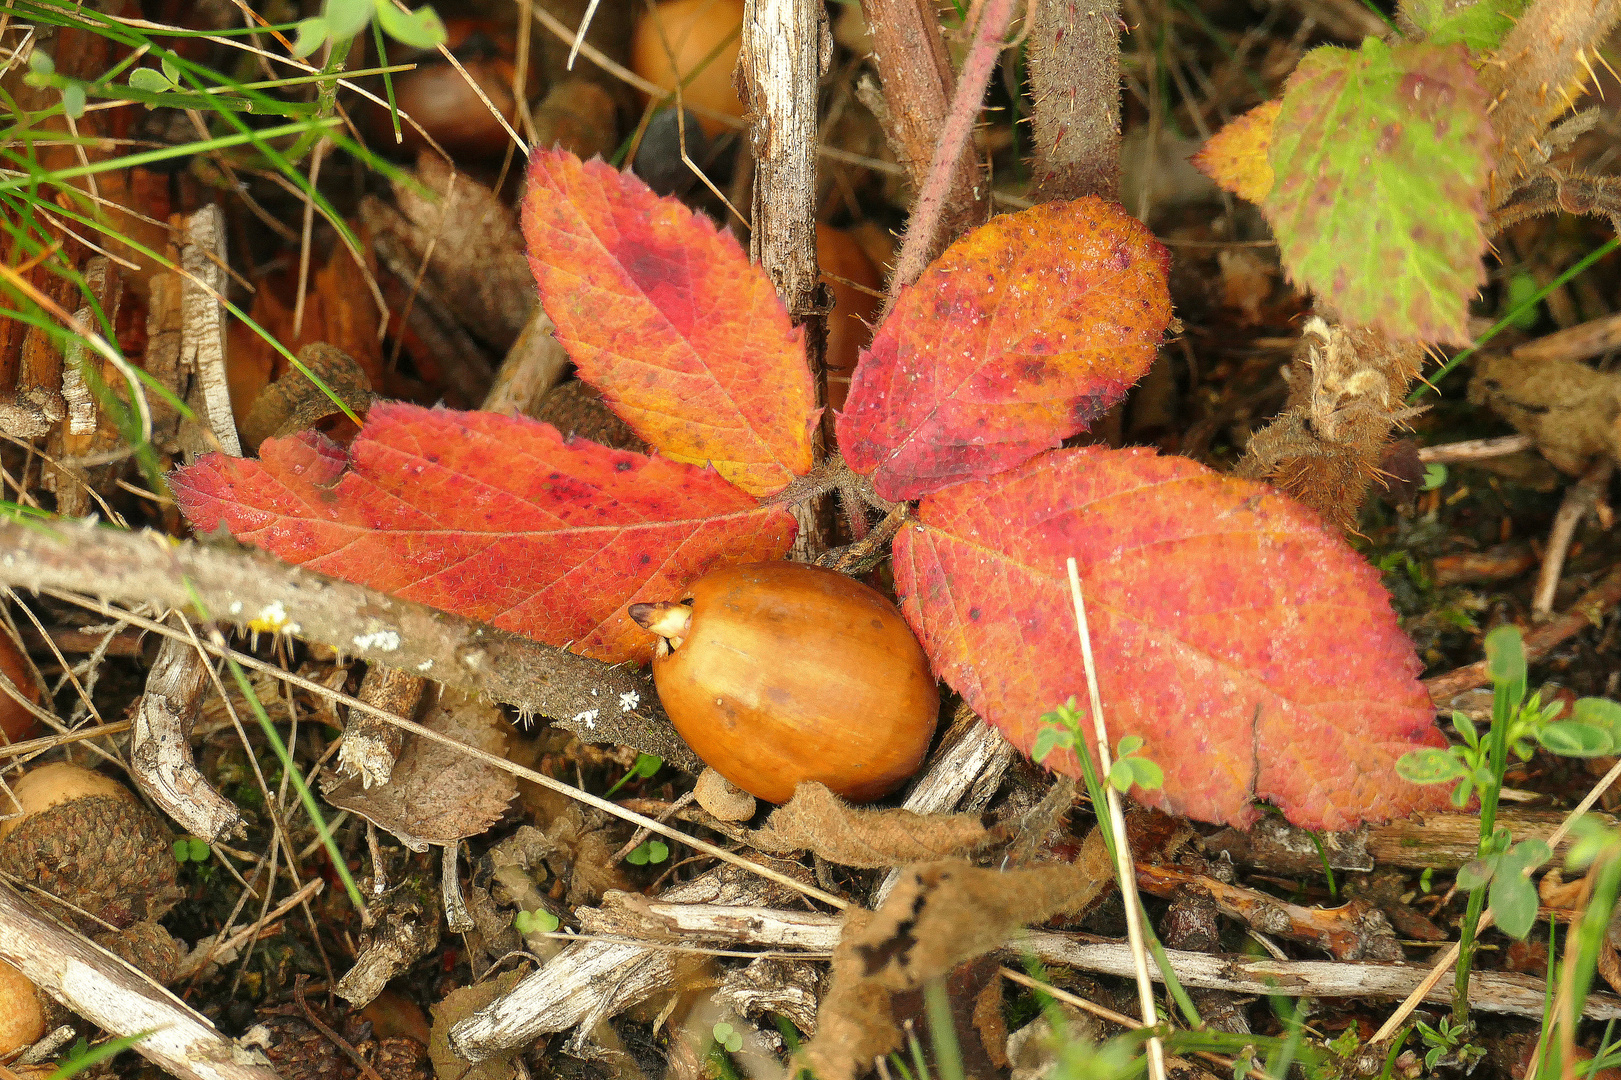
(778,673)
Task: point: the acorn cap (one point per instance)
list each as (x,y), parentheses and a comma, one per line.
(148,946)
(87,840)
(51,785)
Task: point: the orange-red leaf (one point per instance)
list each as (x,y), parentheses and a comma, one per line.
(661,312)
(1236,157)
(1016,338)
(1253,650)
(494,517)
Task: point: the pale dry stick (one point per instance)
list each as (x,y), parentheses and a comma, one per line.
(190,967)
(579,35)
(116,997)
(277,814)
(60,225)
(474,752)
(1474,449)
(306,237)
(50,719)
(174,268)
(84,158)
(142,408)
(51,742)
(1581,499)
(966,102)
(654,90)
(1125,868)
(1450,957)
(1111,1016)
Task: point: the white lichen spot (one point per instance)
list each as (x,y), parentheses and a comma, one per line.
(383,640)
(236,607)
(588,718)
(629,700)
(426,664)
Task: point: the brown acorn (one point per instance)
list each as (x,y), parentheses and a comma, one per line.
(778,673)
(22,1013)
(87,839)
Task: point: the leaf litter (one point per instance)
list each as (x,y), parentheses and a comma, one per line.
(924,936)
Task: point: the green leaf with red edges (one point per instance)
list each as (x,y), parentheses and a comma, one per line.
(1237,156)
(493,517)
(1020,335)
(663,313)
(1254,651)
(1380,159)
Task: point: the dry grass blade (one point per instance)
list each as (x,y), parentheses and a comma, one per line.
(1125,868)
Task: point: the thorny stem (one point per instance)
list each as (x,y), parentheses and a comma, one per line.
(866,553)
(832,474)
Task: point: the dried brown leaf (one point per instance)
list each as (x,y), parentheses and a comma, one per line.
(476,262)
(293,403)
(940,915)
(1570,409)
(457,1006)
(817,820)
(437,794)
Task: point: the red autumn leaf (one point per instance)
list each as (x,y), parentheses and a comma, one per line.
(494,517)
(1253,650)
(665,315)
(1016,338)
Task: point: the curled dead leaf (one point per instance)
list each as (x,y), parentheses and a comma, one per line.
(939,916)
(817,820)
(437,794)
(293,402)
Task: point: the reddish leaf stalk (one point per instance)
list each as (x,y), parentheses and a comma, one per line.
(915,70)
(965,105)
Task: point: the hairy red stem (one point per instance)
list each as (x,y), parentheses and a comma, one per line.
(965,104)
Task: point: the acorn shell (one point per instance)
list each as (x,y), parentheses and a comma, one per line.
(788,673)
(101,850)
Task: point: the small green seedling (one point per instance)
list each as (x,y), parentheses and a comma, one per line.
(644,766)
(539,921)
(341,20)
(1061,730)
(1513,895)
(1435,474)
(42,73)
(191,849)
(648,853)
(727,1037)
(1450,1041)
(1520,724)
(155,81)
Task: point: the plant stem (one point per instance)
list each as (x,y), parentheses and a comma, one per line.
(1505,706)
